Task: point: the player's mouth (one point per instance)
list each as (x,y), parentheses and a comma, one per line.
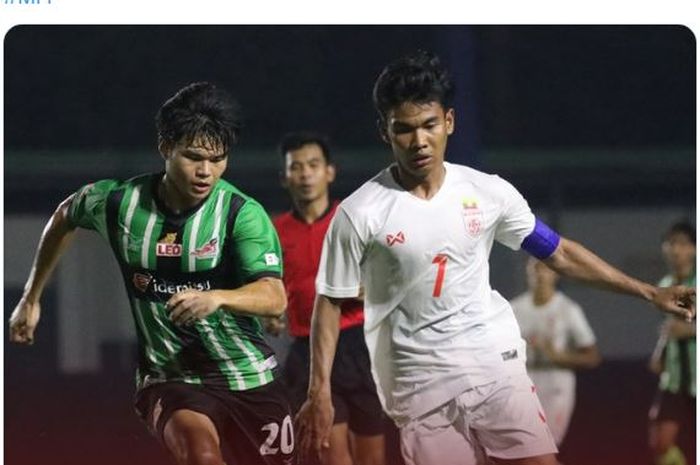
(421,161)
(201,187)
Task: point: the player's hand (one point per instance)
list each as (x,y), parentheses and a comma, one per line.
(313,425)
(676,300)
(679,329)
(23,321)
(548,353)
(274,325)
(361,295)
(188,306)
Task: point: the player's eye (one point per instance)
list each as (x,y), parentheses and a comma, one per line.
(192,156)
(401,129)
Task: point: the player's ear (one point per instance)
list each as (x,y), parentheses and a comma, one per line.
(283,179)
(330,173)
(381,126)
(450,120)
(163,149)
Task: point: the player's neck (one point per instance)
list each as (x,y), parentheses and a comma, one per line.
(682,274)
(542,296)
(425,187)
(172,199)
(311,211)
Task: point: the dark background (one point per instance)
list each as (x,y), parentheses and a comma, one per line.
(532,86)
(574,116)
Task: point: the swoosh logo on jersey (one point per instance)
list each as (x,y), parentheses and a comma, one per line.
(392,239)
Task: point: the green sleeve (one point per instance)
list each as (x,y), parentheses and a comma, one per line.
(87,209)
(255,243)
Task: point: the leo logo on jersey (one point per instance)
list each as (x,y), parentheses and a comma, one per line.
(166,247)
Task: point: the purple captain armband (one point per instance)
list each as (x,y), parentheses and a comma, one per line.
(542,241)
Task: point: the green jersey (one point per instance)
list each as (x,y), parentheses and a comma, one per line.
(679,373)
(223,243)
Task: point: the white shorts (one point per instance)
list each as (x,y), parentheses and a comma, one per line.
(502,419)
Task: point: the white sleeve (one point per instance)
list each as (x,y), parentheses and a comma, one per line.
(516,221)
(339,269)
(581,332)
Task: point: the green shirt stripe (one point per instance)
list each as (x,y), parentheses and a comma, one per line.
(133,200)
(219,247)
(226,365)
(254,355)
(679,355)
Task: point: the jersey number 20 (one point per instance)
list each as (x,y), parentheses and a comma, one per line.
(286,444)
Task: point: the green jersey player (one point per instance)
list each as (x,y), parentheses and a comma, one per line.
(673,410)
(200,261)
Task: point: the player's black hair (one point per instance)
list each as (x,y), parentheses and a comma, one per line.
(199,109)
(417,78)
(298,139)
(681,227)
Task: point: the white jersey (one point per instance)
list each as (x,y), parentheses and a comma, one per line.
(562,322)
(433,325)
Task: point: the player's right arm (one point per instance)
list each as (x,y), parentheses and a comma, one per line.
(338,279)
(56,237)
(315,418)
(85,209)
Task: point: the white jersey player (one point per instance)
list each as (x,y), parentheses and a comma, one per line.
(559,340)
(446,351)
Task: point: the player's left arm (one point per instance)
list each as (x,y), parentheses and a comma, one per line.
(573,260)
(265,297)
(257,254)
(515,229)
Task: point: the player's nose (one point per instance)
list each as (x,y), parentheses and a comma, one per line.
(203,169)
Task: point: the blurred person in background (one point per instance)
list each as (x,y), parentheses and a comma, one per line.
(358,425)
(673,358)
(201,261)
(559,341)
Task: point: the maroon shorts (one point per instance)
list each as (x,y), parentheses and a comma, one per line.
(677,407)
(255,426)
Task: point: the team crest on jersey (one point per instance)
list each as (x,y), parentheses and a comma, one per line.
(397,238)
(472,215)
(208,250)
(166,247)
(141,281)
